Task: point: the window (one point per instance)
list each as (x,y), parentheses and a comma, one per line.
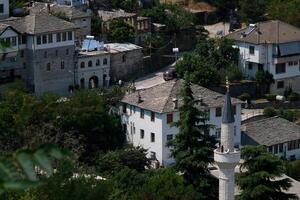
(58,37)
(97,62)
(152,155)
(67,51)
(218,133)
(124,58)
(82,65)
(152,137)
(48,67)
(142,134)
(142,113)
(250,66)
(62,65)
(105,61)
(169,118)
(44,39)
(275,148)
(56,52)
(270,149)
(24,39)
(234,130)
(90,63)
(1,8)
(152,116)
(169,137)
(38,40)
(22,53)
(50,38)
(251,49)
(14,41)
(45,54)
(218,112)
(295,62)
(70,35)
(260,67)
(124,108)
(291,63)
(234,109)
(280,68)
(64,36)
(280,84)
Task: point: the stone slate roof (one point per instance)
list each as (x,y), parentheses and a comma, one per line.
(3,27)
(38,23)
(70,12)
(159,98)
(271,32)
(271,131)
(108,15)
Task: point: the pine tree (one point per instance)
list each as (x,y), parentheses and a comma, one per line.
(258,181)
(193,147)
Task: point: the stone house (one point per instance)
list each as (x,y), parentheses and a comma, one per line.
(273,46)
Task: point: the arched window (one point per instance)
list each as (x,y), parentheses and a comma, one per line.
(82,65)
(97,62)
(82,83)
(90,63)
(105,61)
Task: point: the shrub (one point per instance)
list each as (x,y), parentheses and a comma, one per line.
(271,97)
(293,96)
(245,97)
(270,111)
(293,169)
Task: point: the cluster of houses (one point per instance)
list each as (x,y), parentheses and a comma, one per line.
(51,50)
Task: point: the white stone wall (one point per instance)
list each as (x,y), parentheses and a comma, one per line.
(5,12)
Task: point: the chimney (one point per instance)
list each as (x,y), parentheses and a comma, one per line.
(175,103)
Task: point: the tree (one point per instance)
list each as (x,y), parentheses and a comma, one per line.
(258,179)
(172,15)
(285,10)
(127,5)
(193,147)
(224,7)
(120,31)
(264,79)
(252,11)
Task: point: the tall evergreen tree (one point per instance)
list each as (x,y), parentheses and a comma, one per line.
(193,147)
(258,180)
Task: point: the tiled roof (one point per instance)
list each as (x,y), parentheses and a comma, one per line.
(271,131)
(69,11)
(159,98)
(38,23)
(272,32)
(108,15)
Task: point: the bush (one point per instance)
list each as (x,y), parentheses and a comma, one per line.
(271,97)
(245,97)
(293,96)
(293,169)
(270,111)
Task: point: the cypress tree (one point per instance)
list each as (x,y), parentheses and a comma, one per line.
(257,181)
(192,148)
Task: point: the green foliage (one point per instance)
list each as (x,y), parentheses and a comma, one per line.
(285,10)
(293,96)
(271,97)
(193,146)
(172,15)
(257,181)
(293,169)
(263,80)
(120,31)
(211,60)
(270,112)
(224,7)
(290,115)
(252,11)
(131,157)
(127,5)
(18,171)
(96,24)
(245,97)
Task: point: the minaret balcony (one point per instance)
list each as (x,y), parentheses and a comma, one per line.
(226,156)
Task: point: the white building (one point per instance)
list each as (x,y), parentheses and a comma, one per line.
(273,46)
(281,137)
(92,69)
(4,9)
(147,116)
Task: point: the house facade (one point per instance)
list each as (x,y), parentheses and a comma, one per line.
(273,46)
(4,9)
(280,136)
(148,116)
(40,53)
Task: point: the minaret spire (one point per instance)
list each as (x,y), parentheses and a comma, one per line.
(226,156)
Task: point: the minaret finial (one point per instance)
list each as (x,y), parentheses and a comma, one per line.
(227,84)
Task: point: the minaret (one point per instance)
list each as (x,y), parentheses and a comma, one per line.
(226,156)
